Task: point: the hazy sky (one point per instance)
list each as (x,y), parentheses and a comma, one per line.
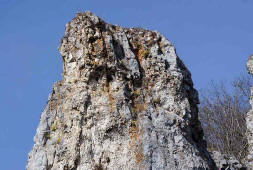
(212,37)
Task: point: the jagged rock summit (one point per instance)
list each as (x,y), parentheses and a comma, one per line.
(126,102)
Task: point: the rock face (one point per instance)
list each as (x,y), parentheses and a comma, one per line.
(226,162)
(249,118)
(126,102)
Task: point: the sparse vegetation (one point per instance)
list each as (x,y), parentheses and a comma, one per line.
(222,113)
(132,110)
(58,140)
(133,123)
(122,62)
(136,93)
(156,100)
(58,95)
(136,44)
(47,135)
(53,127)
(146,53)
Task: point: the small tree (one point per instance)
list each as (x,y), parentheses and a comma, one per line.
(222,114)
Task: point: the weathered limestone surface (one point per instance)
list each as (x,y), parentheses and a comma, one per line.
(226,162)
(126,102)
(249,118)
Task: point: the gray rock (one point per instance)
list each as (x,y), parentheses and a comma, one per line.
(126,102)
(249,65)
(226,162)
(249,118)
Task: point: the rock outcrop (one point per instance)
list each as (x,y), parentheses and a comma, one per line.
(249,118)
(224,162)
(126,102)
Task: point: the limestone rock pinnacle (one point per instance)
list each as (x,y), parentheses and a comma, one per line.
(125,102)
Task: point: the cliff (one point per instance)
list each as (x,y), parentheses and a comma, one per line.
(125,101)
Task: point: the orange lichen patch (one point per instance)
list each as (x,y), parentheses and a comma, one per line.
(139,107)
(95,62)
(140,53)
(147,41)
(107,90)
(133,133)
(97,47)
(139,157)
(139,50)
(73,50)
(136,142)
(52,104)
(107,46)
(111,101)
(151,84)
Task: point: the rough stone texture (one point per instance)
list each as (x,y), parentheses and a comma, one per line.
(249,118)
(249,65)
(126,102)
(226,162)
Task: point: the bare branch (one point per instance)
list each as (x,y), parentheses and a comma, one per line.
(222,114)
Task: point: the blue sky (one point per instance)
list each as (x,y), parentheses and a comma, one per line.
(212,37)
